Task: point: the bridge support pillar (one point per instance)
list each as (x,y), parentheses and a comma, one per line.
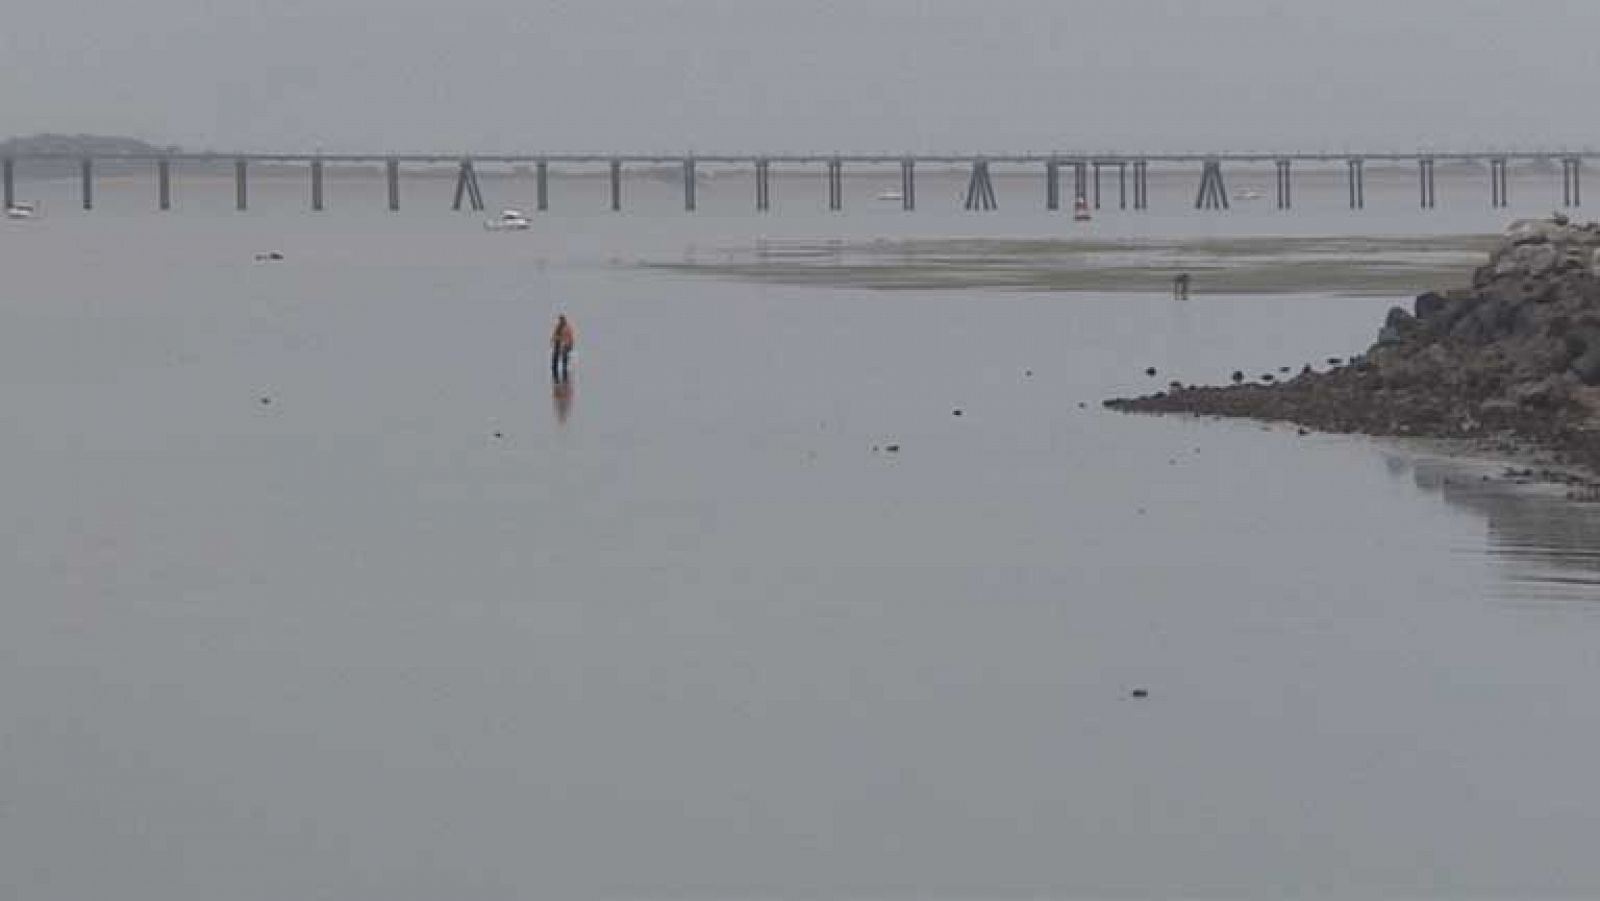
(1357,183)
(908,184)
(1122,184)
(1080,182)
(616,186)
(316,186)
(1213,194)
(86,174)
(541,186)
(1285,187)
(1425,182)
(835,184)
(980,190)
(164,184)
(1141,184)
(8,174)
(467,184)
(241,193)
(392,173)
(1571,189)
(763,185)
(688,185)
(1052,185)
(1097,165)
(1499,193)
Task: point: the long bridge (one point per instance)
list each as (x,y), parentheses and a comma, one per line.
(1087,170)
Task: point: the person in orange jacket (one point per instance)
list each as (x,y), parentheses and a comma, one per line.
(561,344)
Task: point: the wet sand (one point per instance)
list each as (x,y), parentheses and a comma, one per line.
(1237,265)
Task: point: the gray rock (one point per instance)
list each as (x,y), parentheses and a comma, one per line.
(1497,405)
(1398,318)
(1522,232)
(1586,366)
(1429,305)
(1527,259)
(1546,393)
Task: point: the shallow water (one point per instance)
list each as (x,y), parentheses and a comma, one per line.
(686,633)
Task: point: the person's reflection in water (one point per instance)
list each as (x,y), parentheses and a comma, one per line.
(561,399)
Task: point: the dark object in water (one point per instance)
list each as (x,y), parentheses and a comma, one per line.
(956,412)
(1334,361)
(1150,371)
(270,255)
(265,401)
(1139,693)
(1283,369)
(1237,376)
(1268,377)
(892,448)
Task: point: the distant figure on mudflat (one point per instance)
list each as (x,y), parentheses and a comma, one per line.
(1180,286)
(562,341)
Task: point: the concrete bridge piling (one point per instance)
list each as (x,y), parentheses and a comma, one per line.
(980,189)
(467,186)
(1499,195)
(164,184)
(835,176)
(1357,183)
(763,185)
(1213,193)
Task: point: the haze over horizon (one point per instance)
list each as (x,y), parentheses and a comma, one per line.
(893,75)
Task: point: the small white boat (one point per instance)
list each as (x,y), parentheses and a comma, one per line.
(1248,194)
(1080,210)
(891,195)
(22,210)
(509,221)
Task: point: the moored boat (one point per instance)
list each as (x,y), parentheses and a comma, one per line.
(510,220)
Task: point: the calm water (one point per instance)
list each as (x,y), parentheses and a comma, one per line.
(417,629)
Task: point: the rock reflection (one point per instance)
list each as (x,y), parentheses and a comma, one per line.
(1548,545)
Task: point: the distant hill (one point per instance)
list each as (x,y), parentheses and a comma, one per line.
(81,145)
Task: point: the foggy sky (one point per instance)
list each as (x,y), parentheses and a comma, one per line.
(709,75)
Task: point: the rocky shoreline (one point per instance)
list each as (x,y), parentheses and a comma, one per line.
(1509,366)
